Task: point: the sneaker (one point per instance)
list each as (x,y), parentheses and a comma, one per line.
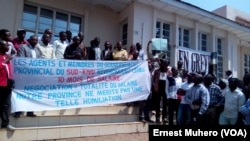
(11,128)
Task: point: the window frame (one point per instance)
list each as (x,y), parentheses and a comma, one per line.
(201,40)
(161,34)
(220,66)
(38,32)
(182,36)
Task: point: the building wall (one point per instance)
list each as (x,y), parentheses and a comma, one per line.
(10,14)
(231,13)
(143,25)
(98,21)
(149,16)
(233,62)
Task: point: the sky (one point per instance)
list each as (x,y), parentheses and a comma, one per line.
(210,5)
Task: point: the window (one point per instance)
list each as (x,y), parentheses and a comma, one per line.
(124,34)
(162,30)
(36,19)
(202,41)
(219,46)
(246,63)
(184,37)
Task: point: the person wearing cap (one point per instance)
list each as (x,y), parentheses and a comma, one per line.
(20,39)
(228,74)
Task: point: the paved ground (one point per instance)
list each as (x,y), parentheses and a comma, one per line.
(116,137)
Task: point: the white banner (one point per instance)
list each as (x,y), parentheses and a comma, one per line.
(46,84)
(194,60)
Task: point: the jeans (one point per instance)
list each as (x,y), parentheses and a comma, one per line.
(173,105)
(184,116)
(144,107)
(5,103)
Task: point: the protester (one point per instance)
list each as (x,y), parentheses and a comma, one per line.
(132,54)
(95,50)
(29,50)
(46,49)
(107,53)
(184,117)
(159,87)
(82,45)
(198,97)
(60,45)
(216,100)
(234,99)
(139,51)
(245,111)
(5,87)
(120,53)
(174,83)
(6,36)
(74,51)
(20,39)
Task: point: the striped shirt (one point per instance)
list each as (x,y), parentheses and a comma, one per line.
(198,93)
(216,96)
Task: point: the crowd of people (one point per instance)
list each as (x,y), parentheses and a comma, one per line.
(66,47)
(189,98)
(184,98)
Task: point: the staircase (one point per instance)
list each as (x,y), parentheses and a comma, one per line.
(74,123)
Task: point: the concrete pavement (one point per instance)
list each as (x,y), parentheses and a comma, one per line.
(116,137)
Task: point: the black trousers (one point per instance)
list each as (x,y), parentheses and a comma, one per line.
(5,103)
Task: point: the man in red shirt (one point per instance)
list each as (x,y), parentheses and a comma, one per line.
(5,89)
(20,39)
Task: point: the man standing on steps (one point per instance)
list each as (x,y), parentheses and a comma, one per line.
(95,52)
(29,50)
(20,39)
(5,89)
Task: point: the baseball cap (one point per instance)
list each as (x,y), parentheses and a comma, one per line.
(229,71)
(21,30)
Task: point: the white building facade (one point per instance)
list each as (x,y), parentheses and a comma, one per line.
(132,21)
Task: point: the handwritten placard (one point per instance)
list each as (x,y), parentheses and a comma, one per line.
(159,44)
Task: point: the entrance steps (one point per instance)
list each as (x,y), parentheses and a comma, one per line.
(73,123)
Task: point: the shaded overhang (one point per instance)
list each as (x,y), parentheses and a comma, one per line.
(182,9)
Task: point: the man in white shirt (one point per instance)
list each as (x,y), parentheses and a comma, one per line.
(46,48)
(60,45)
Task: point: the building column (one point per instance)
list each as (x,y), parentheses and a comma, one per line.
(174,47)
